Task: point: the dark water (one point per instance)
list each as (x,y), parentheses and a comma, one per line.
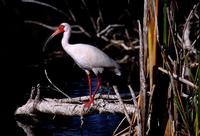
(98,125)
(94,125)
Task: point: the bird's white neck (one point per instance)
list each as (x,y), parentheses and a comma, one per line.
(65,39)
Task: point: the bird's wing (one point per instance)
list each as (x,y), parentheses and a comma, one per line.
(88,57)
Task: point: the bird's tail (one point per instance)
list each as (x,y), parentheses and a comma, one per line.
(117,71)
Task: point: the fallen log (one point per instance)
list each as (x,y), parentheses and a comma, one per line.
(71,106)
(57,107)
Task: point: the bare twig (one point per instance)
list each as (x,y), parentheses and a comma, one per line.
(122,104)
(172,33)
(185,81)
(137,114)
(57,89)
(103,35)
(124,59)
(40,24)
(53,28)
(118,42)
(121,133)
(196,40)
(133,95)
(119,126)
(46,5)
(82,30)
(150,109)
(108,29)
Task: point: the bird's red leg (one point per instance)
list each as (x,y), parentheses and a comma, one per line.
(97,86)
(89,84)
(87,105)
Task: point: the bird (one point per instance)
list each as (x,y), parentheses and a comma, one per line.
(88,57)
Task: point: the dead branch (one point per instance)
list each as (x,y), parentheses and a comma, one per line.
(185,81)
(118,43)
(53,28)
(46,5)
(57,107)
(71,106)
(125,111)
(102,34)
(56,88)
(97,96)
(81,30)
(108,29)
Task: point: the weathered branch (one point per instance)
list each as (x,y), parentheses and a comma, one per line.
(185,81)
(103,35)
(125,110)
(71,106)
(57,107)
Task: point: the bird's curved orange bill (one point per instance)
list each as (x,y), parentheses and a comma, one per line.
(57,31)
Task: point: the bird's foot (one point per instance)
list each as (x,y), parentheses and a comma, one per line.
(87,105)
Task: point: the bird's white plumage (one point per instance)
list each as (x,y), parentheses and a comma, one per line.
(86,56)
(89,57)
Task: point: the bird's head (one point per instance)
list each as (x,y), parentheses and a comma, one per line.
(63,27)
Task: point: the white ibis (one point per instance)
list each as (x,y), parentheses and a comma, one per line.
(87,57)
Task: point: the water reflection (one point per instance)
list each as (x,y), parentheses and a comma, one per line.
(94,125)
